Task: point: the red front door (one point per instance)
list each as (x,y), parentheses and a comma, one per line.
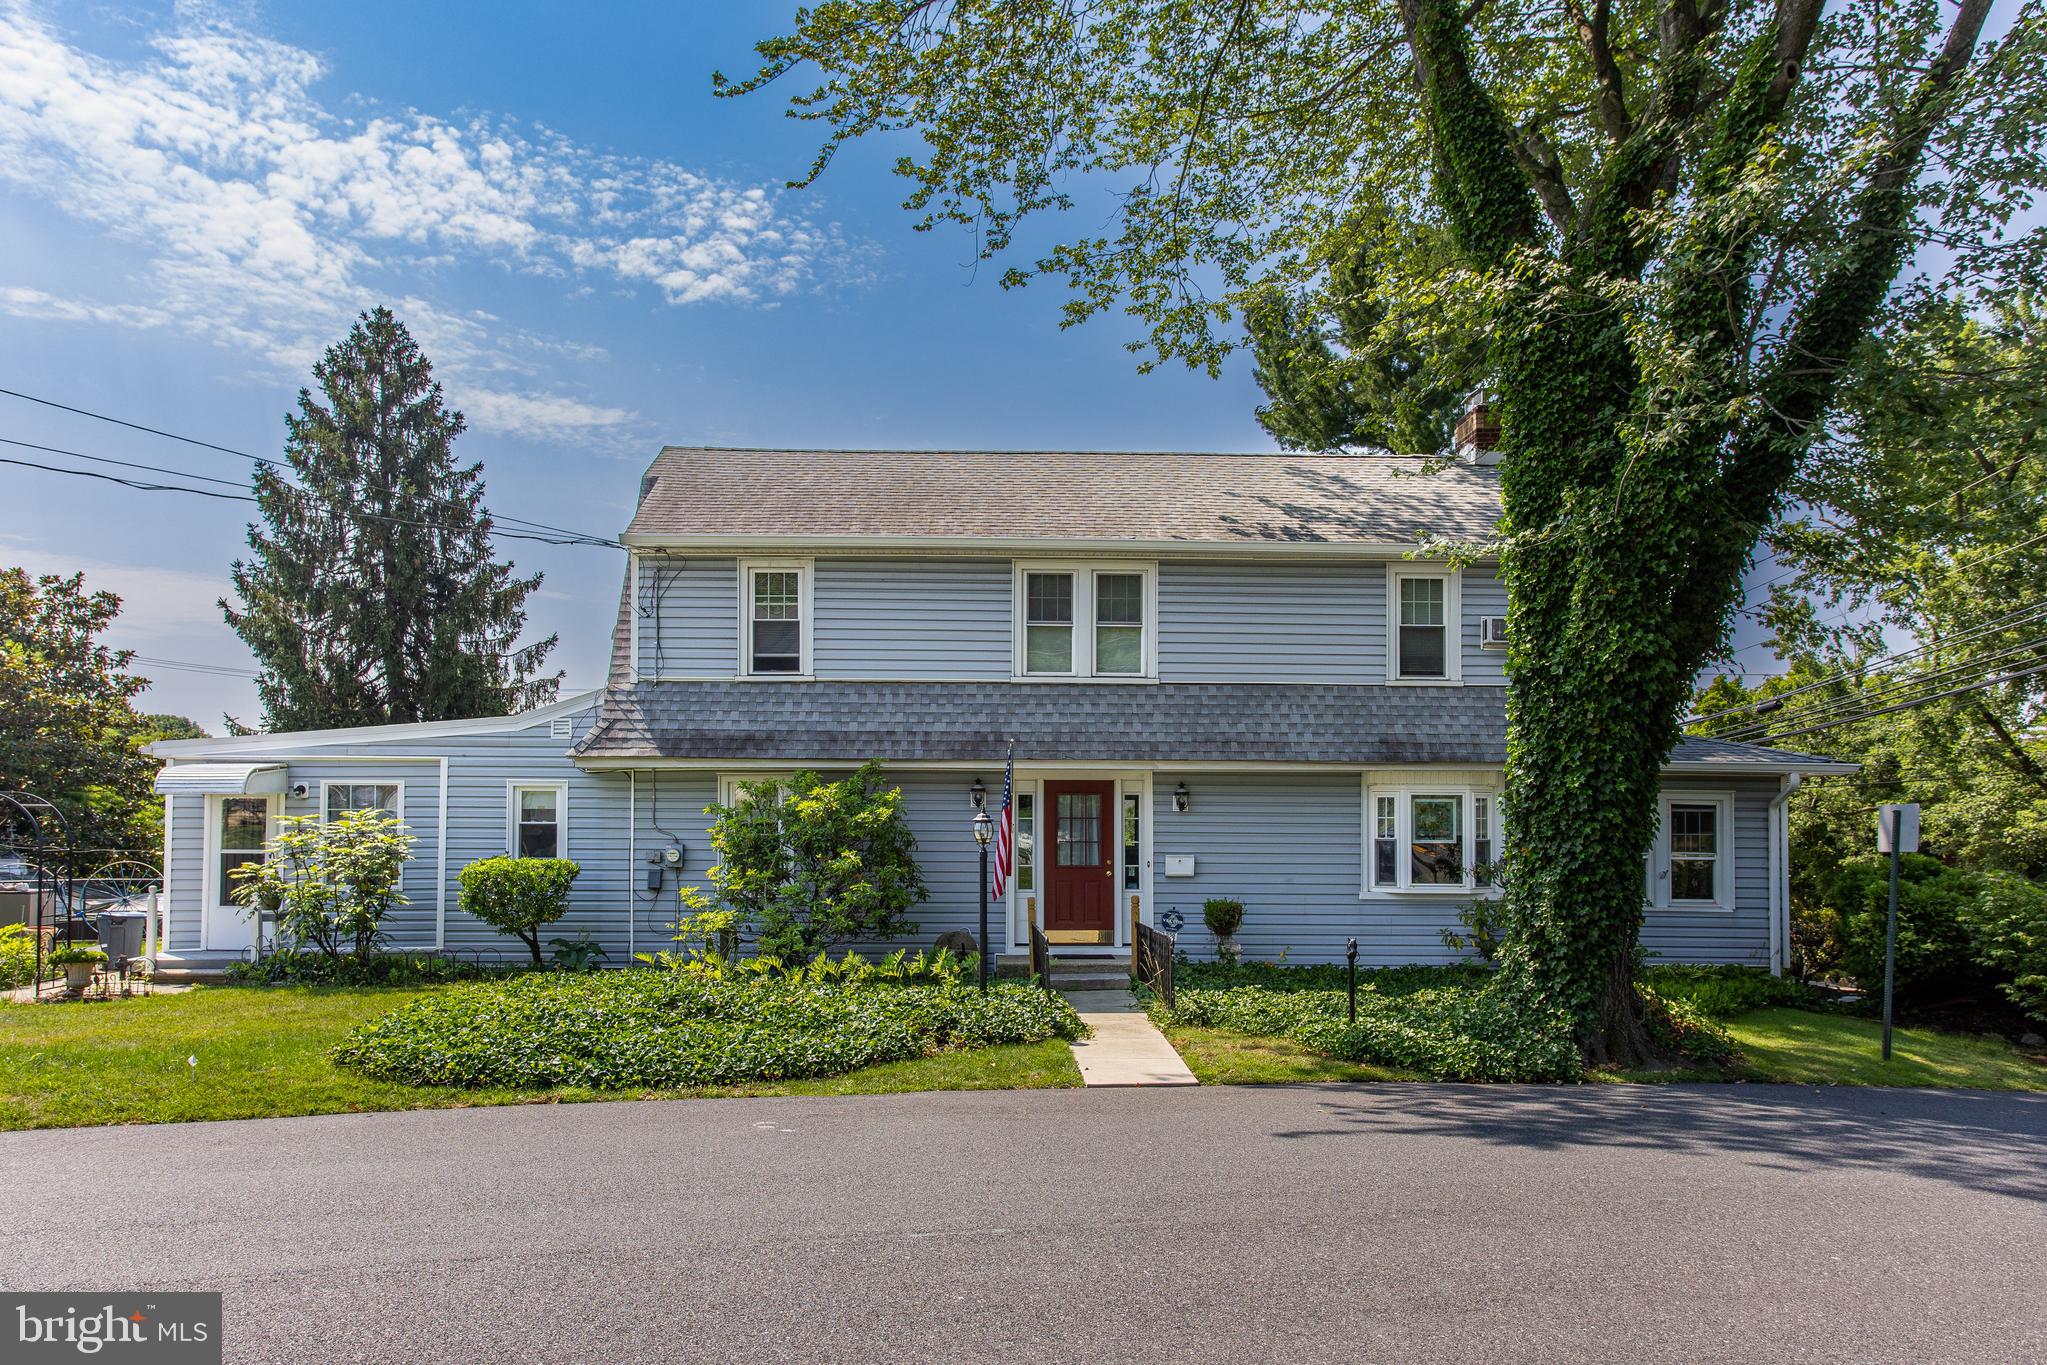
(1080,865)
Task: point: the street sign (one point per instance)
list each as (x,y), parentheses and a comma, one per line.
(1904,819)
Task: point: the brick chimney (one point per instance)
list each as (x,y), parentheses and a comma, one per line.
(1478,431)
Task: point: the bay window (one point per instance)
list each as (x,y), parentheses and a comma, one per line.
(1083,621)
(1433,837)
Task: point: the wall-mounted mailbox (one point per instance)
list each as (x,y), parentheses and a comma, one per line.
(1179,864)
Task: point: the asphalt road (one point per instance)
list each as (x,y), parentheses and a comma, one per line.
(1307,1223)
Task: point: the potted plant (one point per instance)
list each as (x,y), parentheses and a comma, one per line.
(1224,917)
(79,961)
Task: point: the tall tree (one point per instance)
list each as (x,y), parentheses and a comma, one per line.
(1668,221)
(372,596)
(68,728)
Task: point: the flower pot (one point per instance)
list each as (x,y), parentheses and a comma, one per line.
(78,975)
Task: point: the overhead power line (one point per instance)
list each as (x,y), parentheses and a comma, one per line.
(575,537)
(1978,686)
(498,530)
(183,665)
(2019,616)
(1860,703)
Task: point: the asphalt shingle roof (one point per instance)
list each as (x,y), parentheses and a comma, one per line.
(1109,723)
(1065,495)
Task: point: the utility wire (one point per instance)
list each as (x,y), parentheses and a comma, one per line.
(579,536)
(222,670)
(1848,704)
(497,531)
(1908,705)
(2017,617)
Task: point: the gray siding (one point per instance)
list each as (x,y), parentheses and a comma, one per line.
(1484,595)
(1318,622)
(1741,935)
(185,877)
(1290,847)
(688,615)
(892,619)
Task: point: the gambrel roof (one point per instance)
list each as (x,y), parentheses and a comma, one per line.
(704,495)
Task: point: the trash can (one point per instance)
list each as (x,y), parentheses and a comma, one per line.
(120,933)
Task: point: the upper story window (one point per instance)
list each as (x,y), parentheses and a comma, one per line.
(1080,621)
(338,798)
(774,619)
(1692,863)
(1424,644)
(1438,837)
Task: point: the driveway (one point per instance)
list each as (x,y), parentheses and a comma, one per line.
(1303,1223)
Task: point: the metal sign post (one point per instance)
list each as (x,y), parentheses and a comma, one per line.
(1897,833)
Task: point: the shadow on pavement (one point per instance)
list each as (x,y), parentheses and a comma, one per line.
(1995,1142)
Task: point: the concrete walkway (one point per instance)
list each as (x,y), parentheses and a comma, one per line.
(1126,1049)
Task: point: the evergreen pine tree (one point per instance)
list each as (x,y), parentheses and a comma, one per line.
(372,596)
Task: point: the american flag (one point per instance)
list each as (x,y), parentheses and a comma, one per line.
(1003,843)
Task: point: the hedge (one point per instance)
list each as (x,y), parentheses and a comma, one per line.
(670,1029)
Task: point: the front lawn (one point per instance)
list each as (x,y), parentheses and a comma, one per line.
(230,1053)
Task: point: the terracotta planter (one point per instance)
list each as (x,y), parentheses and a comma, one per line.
(78,975)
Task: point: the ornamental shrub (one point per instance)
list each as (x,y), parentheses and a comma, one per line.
(1453,1033)
(1933,942)
(519,896)
(1683,1030)
(1223,916)
(305,967)
(2007,927)
(330,882)
(617,1030)
(17,956)
(1725,991)
(811,864)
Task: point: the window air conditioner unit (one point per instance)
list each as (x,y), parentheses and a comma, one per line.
(1492,632)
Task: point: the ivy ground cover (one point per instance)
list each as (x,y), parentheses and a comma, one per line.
(622,1030)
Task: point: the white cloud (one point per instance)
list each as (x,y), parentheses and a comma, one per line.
(267,220)
(157,605)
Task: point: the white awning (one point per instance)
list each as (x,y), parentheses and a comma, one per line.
(229,779)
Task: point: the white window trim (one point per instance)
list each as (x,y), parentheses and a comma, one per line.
(729,783)
(1403,791)
(1083,571)
(805,576)
(1723,865)
(561,814)
(397,782)
(213,894)
(1453,623)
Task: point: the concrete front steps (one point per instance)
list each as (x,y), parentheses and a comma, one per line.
(1073,973)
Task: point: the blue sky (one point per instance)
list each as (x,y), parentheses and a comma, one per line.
(598,256)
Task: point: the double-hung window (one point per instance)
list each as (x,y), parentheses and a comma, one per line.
(339,798)
(1424,644)
(1692,865)
(1427,838)
(1081,621)
(774,620)
(539,818)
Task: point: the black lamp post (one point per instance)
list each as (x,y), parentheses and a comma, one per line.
(984,831)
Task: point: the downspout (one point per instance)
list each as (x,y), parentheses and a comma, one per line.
(1780,872)
(632,862)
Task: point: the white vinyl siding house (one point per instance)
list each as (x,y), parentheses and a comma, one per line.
(1223,675)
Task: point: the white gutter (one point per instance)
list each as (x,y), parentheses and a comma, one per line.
(1780,873)
(1028,546)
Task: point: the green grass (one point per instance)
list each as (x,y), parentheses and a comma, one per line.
(262,1053)
(1221,1057)
(1836,1049)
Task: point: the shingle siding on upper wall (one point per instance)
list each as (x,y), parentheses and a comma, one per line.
(891,618)
(688,614)
(1321,622)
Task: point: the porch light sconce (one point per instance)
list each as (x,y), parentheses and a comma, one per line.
(1181,800)
(978,793)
